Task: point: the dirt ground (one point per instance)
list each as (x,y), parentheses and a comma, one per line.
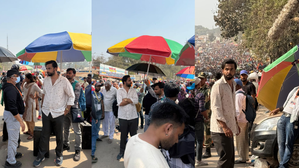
(26,148)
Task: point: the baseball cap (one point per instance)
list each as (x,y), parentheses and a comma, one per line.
(239,82)
(243,72)
(197,81)
(202,75)
(191,87)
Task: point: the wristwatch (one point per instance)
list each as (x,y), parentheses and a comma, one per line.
(125,99)
(66,109)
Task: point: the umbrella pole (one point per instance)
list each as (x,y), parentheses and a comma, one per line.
(149,63)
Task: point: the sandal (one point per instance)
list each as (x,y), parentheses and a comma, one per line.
(27,133)
(94,159)
(30,137)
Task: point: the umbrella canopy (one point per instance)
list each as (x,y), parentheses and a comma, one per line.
(187,72)
(30,63)
(62,47)
(187,54)
(153,49)
(278,79)
(6,55)
(142,67)
(25,68)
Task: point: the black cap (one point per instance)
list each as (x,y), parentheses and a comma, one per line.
(12,72)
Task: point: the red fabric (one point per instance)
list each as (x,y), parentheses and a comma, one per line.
(149,45)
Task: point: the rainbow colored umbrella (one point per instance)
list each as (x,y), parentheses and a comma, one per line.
(187,54)
(62,47)
(278,79)
(25,68)
(187,72)
(153,49)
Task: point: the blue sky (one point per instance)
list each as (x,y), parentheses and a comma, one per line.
(204,13)
(24,21)
(116,20)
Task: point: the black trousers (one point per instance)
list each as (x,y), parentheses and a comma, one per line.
(127,126)
(87,114)
(5,134)
(51,124)
(225,149)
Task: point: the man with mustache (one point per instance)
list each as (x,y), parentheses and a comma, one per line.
(223,120)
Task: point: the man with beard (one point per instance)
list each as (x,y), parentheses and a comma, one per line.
(127,113)
(249,87)
(223,120)
(168,123)
(70,74)
(57,100)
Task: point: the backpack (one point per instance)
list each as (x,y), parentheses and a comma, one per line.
(250,111)
(81,100)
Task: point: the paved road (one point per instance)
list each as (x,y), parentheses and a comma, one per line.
(26,148)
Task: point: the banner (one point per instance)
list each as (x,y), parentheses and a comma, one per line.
(113,72)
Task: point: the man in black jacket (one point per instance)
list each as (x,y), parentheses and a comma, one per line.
(14,108)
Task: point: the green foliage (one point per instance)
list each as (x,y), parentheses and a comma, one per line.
(254,18)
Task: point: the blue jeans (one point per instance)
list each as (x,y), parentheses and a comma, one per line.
(95,131)
(286,136)
(199,136)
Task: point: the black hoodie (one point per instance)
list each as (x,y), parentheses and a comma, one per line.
(13,101)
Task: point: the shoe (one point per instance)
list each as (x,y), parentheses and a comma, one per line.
(39,117)
(18,155)
(119,156)
(200,163)
(109,141)
(141,127)
(77,155)
(4,139)
(240,162)
(58,161)
(94,159)
(38,161)
(66,147)
(99,139)
(16,165)
(207,154)
(104,136)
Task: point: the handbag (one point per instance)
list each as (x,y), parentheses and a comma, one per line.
(138,107)
(76,115)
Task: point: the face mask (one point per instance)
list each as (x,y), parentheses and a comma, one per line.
(18,79)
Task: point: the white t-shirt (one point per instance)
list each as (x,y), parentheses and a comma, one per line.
(291,105)
(140,154)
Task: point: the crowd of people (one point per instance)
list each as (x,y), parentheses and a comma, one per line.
(177,116)
(209,56)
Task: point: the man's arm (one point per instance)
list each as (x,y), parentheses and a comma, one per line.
(120,99)
(150,89)
(70,93)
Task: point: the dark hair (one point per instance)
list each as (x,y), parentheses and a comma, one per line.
(89,75)
(189,106)
(159,84)
(125,78)
(168,113)
(218,75)
(228,61)
(54,63)
(171,90)
(30,77)
(71,69)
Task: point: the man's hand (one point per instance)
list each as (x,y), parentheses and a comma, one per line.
(65,112)
(31,96)
(129,101)
(22,126)
(147,82)
(228,132)
(96,121)
(274,112)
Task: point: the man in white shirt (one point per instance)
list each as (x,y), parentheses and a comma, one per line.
(287,127)
(109,94)
(223,120)
(127,113)
(145,150)
(56,103)
(242,140)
